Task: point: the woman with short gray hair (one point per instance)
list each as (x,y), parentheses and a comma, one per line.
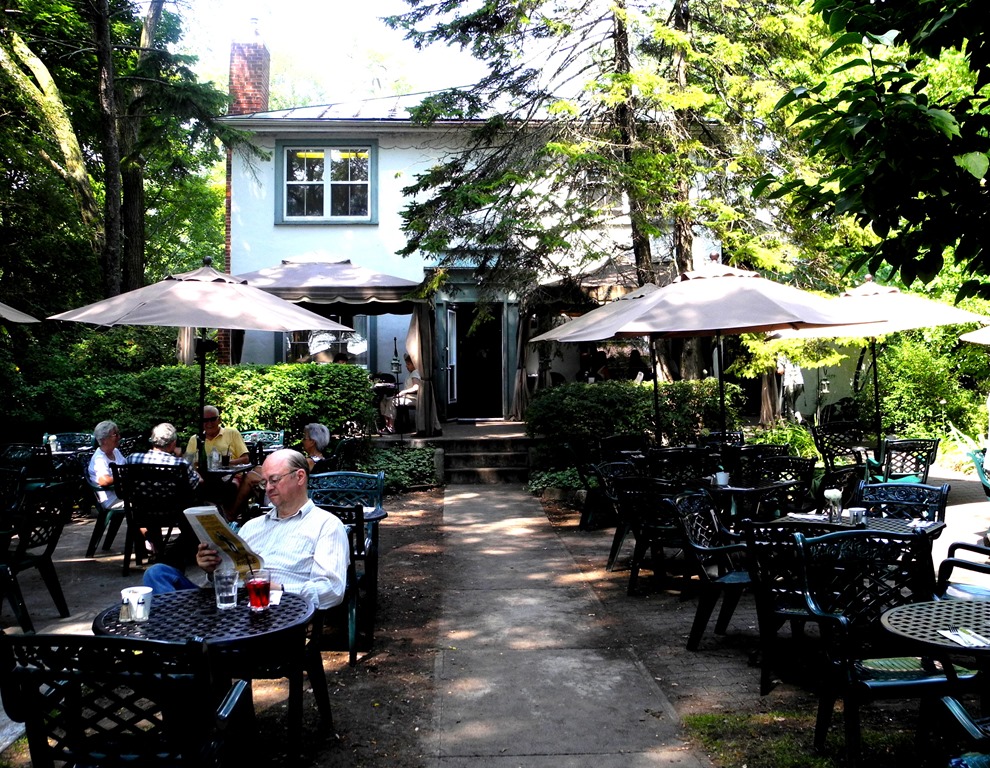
(316,438)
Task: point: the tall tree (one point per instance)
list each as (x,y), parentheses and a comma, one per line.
(901,131)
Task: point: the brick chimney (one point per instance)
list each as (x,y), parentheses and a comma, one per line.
(250,64)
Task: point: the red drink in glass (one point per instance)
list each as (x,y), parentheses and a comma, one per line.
(258,589)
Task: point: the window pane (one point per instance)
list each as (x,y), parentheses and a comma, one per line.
(304,200)
(304,165)
(349,200)
(314,200)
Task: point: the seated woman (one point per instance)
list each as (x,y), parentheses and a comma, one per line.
(316,438)
(405,396)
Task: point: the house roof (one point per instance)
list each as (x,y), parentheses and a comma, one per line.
(335,282)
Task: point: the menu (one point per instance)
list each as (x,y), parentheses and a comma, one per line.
(212,529)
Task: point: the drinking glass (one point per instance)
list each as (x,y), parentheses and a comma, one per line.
(258,585)
(225,586)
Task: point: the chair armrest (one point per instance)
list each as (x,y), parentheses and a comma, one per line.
(232,701)
(975,548)
(974,732)
(723,549)
(946,567)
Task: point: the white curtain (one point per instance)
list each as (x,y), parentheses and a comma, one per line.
(419,346)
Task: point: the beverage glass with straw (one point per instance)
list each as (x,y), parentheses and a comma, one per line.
(258,587)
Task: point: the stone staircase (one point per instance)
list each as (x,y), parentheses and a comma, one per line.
(490,461)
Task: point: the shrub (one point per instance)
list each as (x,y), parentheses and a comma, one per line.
(800,439)
(404,467)
(540,480)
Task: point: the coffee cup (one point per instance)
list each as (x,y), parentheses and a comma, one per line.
(721,478)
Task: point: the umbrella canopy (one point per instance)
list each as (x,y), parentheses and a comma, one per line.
(717,301)
(897,312)
(335,282)
(203,298)
(15,315)
(611,313)
(979,336)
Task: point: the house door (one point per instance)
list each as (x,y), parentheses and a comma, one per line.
(479,370)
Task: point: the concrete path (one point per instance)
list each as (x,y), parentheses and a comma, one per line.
(528,675)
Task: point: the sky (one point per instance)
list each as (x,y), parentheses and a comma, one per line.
(327,49)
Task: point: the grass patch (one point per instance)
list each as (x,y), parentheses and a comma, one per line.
(786,740)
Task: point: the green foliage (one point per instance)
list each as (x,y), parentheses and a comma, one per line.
(797,436)
(921,392)
(284,397)
(579,415)
(540,480)
(404,467)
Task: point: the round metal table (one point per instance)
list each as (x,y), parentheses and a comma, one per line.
(920,623)
(249,645)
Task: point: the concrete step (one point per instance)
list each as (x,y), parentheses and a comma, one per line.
(486,459)
(491,444)
(486,475)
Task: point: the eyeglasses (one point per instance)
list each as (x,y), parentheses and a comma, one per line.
(210,418)
(275,479)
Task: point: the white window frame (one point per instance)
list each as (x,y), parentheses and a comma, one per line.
(283,148)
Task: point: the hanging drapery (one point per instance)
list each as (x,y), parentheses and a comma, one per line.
(419,346)
(769,403)
(520,387)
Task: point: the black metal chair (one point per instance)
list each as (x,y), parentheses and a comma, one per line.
(771,556)
(903,501)
(270,439)
(353,518)
(341,491)
(74,441)
(36,460)
(645,509)
(720,560)
(850,579)
(796,497)
(112,701)
(12,486)
(719,439)
(606,474)
(619,447)
(845,478)
(907,461)
(740,460)
(154,497)
(839,443)
(28,540)
(946,588)
(684,466)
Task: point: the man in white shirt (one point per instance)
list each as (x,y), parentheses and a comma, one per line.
(304,547)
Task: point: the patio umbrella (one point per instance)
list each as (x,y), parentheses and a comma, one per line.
(717,301)
(898,312)
(204,298)
(15,315)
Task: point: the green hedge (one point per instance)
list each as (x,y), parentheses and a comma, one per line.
(283,397)
(579,415)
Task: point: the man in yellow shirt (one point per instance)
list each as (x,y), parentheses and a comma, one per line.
(226,440)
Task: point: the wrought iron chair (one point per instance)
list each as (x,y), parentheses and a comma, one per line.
(36,460)
(846,478)
(645,509)
(346,490)
(154,497)
(28,540)
(687,467)
(353,518)
(850,579)
(719,439)
(775,578)
(111,701)
(907,461)
(74,441)
(619,447)
(720,560)
(946,588)
(606,474)
(740,460)
(799,471)
(903,501)
(12,486)
(839,443)
(977,458)
(270,439)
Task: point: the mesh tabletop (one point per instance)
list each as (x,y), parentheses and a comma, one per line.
(192,613)
(921,622)
(884,524)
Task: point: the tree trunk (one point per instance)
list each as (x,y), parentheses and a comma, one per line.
(132,163)
(99,13)
(44,95)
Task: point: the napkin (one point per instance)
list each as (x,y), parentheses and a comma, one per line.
(965,637)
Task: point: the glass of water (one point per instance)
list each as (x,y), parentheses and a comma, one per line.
(225,586)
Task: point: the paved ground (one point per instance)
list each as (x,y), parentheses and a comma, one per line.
(539,658)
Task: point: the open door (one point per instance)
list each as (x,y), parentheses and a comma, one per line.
(475,364)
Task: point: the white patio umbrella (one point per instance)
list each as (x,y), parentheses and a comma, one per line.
(203,298)
(717,301)
(15,315)
(898,312)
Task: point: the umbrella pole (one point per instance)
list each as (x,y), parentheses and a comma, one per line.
(721,380)
(203,345)
(876,392)
(656,391)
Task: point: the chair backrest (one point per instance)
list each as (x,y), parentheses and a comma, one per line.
(718,438)
(837,442)
(343,458)
(846,478)
(110,700)
(383,378)
(903,501)
(607,471)
(353,517)
(269,438)
(617,447)
(681,465)
(154,494)
(703,531)
(740,460)
(43,514)
(794,469)
(131,444)
(978,457)
(12,481)
(648,501)
(345,489)
(908,459)
(74,441)
(36,459)
(771,555)
(858,575)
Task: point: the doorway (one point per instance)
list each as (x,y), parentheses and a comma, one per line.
(478,374)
